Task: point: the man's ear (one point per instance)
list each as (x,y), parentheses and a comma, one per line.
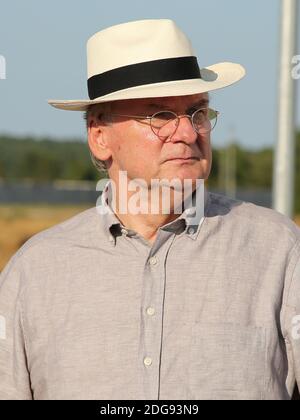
(98,140)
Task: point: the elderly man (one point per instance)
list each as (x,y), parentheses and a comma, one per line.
(201,303)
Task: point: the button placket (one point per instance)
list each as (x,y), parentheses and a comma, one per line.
(153,314)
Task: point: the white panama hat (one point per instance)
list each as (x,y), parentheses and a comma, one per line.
(146,59)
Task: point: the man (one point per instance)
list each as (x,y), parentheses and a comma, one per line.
(115,304)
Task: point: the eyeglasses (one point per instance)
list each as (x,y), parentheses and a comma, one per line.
(165,123)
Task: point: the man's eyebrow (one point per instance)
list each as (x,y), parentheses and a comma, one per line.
(200,103)
(156,106)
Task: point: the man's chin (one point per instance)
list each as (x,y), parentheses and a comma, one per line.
(183,174)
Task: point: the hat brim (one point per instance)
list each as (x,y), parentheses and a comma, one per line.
(213,77)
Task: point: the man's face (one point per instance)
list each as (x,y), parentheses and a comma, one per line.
(133,146)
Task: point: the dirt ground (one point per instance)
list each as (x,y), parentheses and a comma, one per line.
(18,223)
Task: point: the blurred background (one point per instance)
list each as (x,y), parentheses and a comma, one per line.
(46,174)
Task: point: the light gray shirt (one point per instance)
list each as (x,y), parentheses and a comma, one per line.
(91,310)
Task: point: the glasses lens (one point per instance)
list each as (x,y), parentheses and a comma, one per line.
(204,120)
(164,124)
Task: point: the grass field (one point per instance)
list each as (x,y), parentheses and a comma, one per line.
(19,222)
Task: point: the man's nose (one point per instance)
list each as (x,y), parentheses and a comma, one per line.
(184,131)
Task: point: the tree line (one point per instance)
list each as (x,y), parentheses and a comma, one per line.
(45,159)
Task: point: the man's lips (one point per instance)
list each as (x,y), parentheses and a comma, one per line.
(182,158)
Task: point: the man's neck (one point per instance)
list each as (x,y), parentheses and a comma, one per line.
(153,209)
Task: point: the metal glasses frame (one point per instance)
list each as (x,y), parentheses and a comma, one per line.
(177,117)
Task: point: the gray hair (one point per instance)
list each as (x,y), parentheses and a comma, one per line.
(95,111)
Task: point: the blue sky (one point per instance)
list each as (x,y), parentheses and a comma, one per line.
(44,44)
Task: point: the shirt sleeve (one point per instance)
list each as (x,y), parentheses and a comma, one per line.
(14,375)
(291,319)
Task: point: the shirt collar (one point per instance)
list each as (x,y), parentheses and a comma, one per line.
(192,216)
(109,219)
(195,211)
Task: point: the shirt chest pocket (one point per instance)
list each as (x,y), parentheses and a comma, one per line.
(227,361)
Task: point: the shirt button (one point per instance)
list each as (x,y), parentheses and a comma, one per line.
(147,361)
(191,230)
(153,260)
(190,212)
(150,311)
